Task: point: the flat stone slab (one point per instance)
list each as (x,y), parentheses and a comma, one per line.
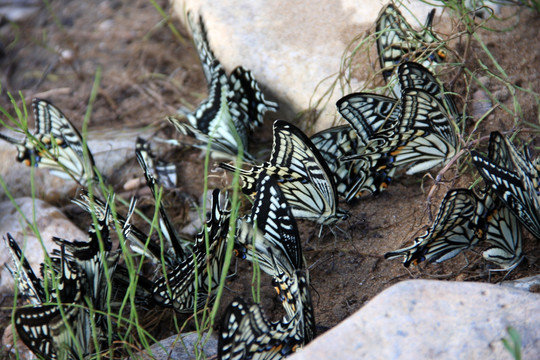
(427,319)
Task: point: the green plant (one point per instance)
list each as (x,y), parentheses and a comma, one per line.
(513,345)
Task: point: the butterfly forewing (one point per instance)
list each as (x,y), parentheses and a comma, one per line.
(367,113)
(416,76)
(302,174)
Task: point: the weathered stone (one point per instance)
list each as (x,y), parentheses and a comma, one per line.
(530,283)
(294,49)
(425,319)
(49,221)
(181,348)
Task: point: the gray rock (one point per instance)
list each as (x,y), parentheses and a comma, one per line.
(530,283)
(293,48)
(49,220)
(181,348)
(426,319)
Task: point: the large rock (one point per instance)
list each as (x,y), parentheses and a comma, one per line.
(49,221)
(425,319)
(291,46)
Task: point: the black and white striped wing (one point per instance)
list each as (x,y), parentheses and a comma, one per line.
(302,174)
(270,233)
(57,145)
(433,141)
(452,231)
(397,41)
(246,101)
(516,191)
(368,113)
(188,286)
(247,334)
(334,144)
(44,328)
(166,225)
(417,76)
(503,234)
(28,283)
(163,172)
(209,61)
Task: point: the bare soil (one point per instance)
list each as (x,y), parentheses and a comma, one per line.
(147,73)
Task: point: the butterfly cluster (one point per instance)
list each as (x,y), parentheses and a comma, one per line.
(79,299)
(235,105)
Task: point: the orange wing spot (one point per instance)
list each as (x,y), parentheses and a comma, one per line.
(442,54)
(384,185)
(397,151)
(27,162)
(415,262)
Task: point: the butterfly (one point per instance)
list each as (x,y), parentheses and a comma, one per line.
(417,76)
(177,243)
(270,232)
(44,327)
(59,324)
(502,233)
(397,41)
(56,145)
(333,144)
(189,285)
(139,241)
(452,231)
(368,115)
(513,178)
(302,174)
(247,334)
(235,105)
(163,172)
(423,137)
(95,258)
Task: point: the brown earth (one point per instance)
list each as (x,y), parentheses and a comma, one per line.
(147,73)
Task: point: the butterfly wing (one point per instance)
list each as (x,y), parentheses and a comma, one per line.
(417,76)
(368,113)
(452,231)
(397,41)
(188,286)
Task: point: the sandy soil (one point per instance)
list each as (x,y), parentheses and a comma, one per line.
(147,74)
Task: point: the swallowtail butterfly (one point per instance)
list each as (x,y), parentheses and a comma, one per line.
(177,244)
(247,334)
(416,76)
(189,286)
(138,240)
(270,233)
(163,172)
(503,233)
(302,174)
(334,144)
(56,145)
(452,231)
(235,105)
(514,178)
(44,327)
(397,41)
